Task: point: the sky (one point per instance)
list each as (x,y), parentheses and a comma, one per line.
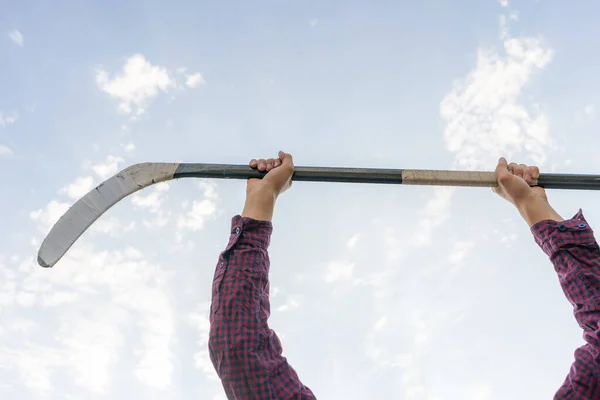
(377,291)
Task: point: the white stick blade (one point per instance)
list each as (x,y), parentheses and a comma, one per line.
(90,207)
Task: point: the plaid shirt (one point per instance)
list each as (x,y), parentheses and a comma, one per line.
(247,354)
(573,250)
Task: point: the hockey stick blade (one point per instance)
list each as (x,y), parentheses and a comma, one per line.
(96,202)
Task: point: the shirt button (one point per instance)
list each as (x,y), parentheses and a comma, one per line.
(221,265)
(562,228)
(582,226)
(237,230)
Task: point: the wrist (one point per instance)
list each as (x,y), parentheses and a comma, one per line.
(259,206)
(537,209)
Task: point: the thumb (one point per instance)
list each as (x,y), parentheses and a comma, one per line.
(286,158)
(502,166)
(502,172)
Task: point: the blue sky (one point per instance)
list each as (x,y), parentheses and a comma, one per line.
(413,293)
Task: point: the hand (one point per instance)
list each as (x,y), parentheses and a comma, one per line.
(262,193)
(278,178)
(514,182)
(531,201)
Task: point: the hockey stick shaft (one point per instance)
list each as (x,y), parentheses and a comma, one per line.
(387,176)
(81,215)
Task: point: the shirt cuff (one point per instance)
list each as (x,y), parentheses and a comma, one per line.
(553,236)
(250,231)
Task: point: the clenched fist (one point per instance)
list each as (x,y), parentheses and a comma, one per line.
(261,194)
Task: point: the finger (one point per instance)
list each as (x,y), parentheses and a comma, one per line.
(277,163)
(527,174)
(262,164)
(521,170)
(270,163)
(253,163)
(535,172)
(517,170)
(512,167)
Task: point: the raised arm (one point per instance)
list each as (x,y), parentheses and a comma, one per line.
(245,352)
(574,252)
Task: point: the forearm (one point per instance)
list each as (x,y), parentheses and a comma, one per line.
(574,252)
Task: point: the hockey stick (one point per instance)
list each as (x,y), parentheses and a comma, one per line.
(90,207)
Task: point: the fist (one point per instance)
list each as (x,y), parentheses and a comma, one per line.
(278,178)
(514,183)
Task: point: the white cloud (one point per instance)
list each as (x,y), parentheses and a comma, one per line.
(590,109)
(46,217)
(5,150)
(436,212)
(153,200)
(129,147)
(17,37)
(155,365)
(79,187)
(195,218)
(118,289)
(503,3)
(338,270)
(480,391)
(91,342)
(194,80)
(313,22)
(108,168)
(25,299)
(199,320)
(137,85)
(484,118)
(111,226)
(380,324)
(201,210)
(8,119)
(290,302)
(58,297)
(352,241)
(34,364)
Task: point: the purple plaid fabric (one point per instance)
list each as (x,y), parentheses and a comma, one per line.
(573,250)
(247,354)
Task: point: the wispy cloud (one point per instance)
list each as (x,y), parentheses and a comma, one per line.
(5,150)
(353,241)
(108,167)
(129,147)
(483,115)
(194,80)
(79,187)
(47,216)
(151,198)
(200,322)
(338,270)
(313,22)
(8,119)
(200,210)
(17,37)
